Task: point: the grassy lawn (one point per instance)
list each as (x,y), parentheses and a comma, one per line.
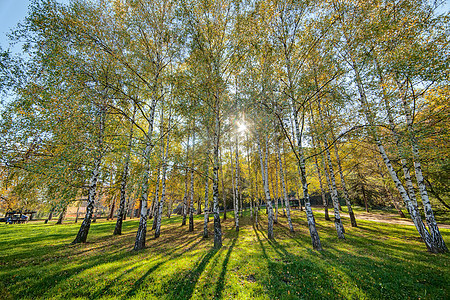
(376,260)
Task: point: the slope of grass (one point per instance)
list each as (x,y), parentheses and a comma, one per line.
(375,261)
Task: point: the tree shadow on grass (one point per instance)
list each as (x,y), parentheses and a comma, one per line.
(291,275)
(182,285)
(137,284)
(221,281)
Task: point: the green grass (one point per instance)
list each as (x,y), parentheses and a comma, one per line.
(376,261)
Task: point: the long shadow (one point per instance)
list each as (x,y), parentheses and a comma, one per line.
(35,290)
(221,281)
(182,285)
(137,284)
(171,256)
(287,274)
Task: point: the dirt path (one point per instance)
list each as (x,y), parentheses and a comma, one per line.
(382,218)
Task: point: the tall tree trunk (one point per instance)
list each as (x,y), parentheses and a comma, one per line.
(50,215)
(316,163)
(264,170)
(344,188)
(86,224)
(302,166)
(276,191)
(191,202)
(206,210)
(415,216)
(123,185)
(241,199)
(249,167)
(163,190)
(341,175)
(436,236)
(258,196)
(216,140)
(62,215)
(161,154)
(236,187)
(333,190)
(275,199)
(142,229)
(224,195)
(111,211)
(406,173)
(322,190)
(409,185)
(185,207)
(283,185)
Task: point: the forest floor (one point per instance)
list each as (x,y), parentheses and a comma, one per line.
(376,261)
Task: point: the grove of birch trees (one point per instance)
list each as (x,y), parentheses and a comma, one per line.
(216,107)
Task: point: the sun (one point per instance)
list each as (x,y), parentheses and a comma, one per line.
(242,127)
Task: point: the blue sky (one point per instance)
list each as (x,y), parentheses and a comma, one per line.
(11,13)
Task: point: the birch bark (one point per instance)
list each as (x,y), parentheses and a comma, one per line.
(302,167)
(264,169)
(415,216)
(142,229)
(283,185)
(123,184)
(206,209)
(86,224)
(333,189)
(236,186)
(217,226)
(163,179)
(224,196)
(185,207)
(436,236)
(191,193)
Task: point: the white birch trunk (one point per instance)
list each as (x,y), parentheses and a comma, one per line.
(217,226)
(252,195)
(264,170)
(409,185)
(415,216)
(191,194)
(224,196)
(275,221)
(436,236)
(236,188)
(334,194)
(302,167)
(185,207)
(206,210)
(123,185)
(142,229)
(163,191)
(276,192)
(343,183)
(283,185)
(86,224)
